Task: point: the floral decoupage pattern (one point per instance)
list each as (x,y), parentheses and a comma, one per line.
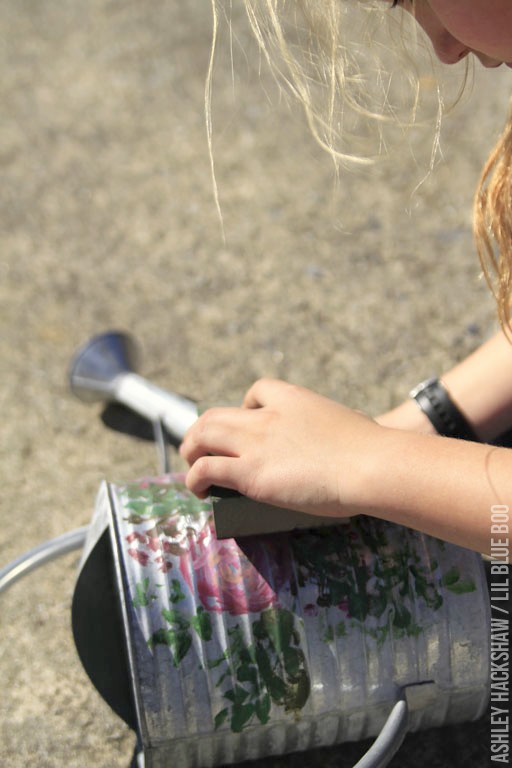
(264,589)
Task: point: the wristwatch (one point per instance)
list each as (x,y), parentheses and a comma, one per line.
(435,402)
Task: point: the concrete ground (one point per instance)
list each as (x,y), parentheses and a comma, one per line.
(108,221)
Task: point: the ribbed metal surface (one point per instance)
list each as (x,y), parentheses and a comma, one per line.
(291,641)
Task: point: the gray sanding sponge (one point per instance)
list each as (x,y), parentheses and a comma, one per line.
(236,516)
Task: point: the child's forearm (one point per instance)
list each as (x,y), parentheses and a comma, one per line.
(481,388)
(293,448)
(443,487)
(481,385)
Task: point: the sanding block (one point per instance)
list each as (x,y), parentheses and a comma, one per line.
(236,516)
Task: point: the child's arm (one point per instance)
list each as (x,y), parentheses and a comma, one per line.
(480,386)
(293,448)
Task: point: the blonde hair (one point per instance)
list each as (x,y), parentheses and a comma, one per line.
(319,52)
(493,224)
(303,42)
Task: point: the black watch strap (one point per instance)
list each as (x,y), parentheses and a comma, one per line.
(435,402)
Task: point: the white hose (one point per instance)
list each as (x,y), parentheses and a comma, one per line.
(389,739)
(42,554)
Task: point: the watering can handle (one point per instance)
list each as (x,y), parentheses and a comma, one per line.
(389,739)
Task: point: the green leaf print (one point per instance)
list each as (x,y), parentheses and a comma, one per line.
(298,693)
(450,577)
(402,617)
(176,595)
(241,714)
(202,624)
(272,670)
(237,694)
(221,717)
(178,641)
(262,708)
(175,617)
(462,587)
(142,597)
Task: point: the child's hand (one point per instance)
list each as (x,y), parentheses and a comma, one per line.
(286,446)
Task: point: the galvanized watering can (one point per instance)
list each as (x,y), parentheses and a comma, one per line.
(220,651)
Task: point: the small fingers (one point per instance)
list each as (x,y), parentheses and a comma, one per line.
(212,470)
(212,433)
(220,432)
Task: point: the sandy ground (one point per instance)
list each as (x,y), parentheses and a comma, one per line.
(108,221)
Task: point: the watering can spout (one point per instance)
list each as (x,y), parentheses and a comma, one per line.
(98,364)
(104,370)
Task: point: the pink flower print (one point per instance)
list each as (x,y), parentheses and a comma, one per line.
(139,555)
(310,610)
(154,543)
(343,606)
(146,482)
(226,580)
(170,526)
(165,565)
(196,545)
